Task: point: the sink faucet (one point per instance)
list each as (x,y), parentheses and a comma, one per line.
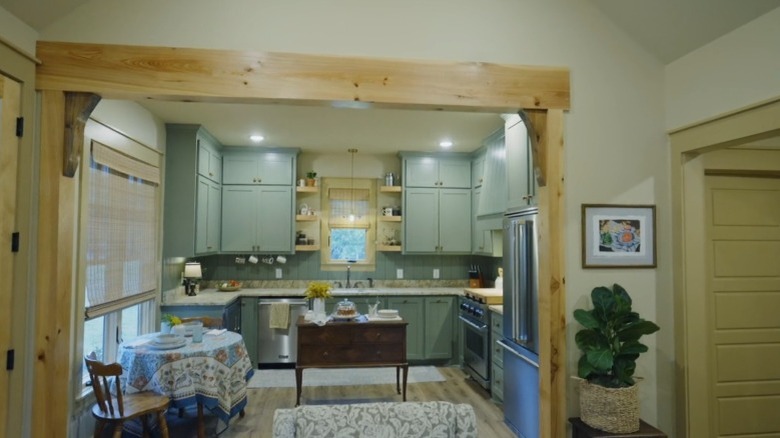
(337,284)
(348,285)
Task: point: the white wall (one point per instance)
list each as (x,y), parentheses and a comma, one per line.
(733,72)
(615,142)
(132,120)
(18,34)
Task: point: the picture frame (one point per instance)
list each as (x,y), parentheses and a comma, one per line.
(618,236)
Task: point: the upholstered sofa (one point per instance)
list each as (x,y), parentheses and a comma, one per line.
(436,419)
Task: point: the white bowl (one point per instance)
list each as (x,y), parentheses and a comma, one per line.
(387,313)
(167,338)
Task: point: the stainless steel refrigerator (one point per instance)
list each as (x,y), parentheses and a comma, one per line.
(521,323)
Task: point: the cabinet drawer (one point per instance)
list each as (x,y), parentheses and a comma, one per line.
(497,355)
(379,336)
(319,335)
(497,385)
(333,355)
(497,323)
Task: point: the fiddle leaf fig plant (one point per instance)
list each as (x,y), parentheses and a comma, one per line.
(609,340)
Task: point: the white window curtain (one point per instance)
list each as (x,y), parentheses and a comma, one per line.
(346,202)
(122,235)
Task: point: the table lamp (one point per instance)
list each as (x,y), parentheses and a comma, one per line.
(192,274)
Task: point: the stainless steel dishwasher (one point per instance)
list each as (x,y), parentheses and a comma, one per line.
(274,345)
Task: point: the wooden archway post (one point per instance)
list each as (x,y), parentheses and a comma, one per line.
(142,72)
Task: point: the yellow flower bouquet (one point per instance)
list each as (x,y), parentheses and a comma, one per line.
(171,320)
(318,289)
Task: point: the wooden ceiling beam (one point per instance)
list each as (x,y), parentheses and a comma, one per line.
(136,72)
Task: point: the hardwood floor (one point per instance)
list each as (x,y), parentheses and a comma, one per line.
(457,388)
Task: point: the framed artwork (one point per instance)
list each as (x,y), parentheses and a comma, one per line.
(618,236)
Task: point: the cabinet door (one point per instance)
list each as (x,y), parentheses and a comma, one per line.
(249,326)
(275,169)
(207,226)
(421,220)
(477,170)
(421,172)
(517,164)
(454,173)
(239,218)
(411,310)
(240,169)
(477,244)
(275,219)
(454,220)
(438,327)
(209,159)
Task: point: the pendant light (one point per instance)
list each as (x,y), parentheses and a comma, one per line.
(352,151)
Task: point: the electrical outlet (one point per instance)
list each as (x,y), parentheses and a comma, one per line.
(399,274)
(278,273)
(435,273)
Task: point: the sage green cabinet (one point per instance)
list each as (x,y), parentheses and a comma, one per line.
(411,310)
(485,238)
(191,213)
(478,169)
(209,211)
(521,185)
(249,307)
(252,168)
(257,219)
(434,171)
(439,327)
(437,220)
(497,357)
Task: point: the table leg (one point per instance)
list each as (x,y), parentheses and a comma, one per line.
(406,374)
(298,384)
(398,379)
(201,422)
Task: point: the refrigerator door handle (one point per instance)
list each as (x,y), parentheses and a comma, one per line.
(512,350)
(481,328)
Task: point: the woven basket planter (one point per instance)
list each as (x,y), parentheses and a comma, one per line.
(614,410)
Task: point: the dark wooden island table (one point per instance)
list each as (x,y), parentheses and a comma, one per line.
(350,344)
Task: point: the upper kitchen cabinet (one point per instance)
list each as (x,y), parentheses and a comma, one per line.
(192,192)
(521,189)
(437,221)
(446,171)
(257,219)
(478,168)
(271,167)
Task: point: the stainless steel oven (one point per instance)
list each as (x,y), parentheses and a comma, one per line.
(473,316)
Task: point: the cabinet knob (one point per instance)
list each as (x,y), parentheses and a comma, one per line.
(259,180)
(211,174)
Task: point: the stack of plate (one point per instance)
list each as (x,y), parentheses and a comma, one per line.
(167,341)
(387,313)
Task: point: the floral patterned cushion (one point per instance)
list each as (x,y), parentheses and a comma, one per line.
(377,420)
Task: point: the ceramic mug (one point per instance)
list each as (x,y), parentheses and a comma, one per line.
(387,211)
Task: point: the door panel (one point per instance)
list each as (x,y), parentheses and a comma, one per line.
(455,220)
(743,298)
(421,220)
(239,218)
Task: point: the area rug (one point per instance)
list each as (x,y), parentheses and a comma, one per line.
(341,377)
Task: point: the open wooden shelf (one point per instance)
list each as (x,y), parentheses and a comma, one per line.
(307,247)
(395,189)
(308,189)
(389,248)
(306,217)
(390,218)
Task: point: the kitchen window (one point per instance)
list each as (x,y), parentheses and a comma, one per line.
(349,223)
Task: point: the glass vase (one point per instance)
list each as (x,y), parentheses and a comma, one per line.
(318,306)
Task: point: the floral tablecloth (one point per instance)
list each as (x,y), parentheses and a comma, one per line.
(213,372)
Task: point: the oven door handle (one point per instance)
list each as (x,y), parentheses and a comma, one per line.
(481,328)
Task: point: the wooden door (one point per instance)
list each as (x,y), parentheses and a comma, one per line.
(10,106)
(743,305)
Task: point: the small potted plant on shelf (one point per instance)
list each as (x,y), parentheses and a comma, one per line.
(609,341)
(168,321)
(310,178)
(317,291)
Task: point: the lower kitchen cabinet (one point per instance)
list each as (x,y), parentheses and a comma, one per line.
(497,357)
(249,326)
(439,327)
(411,310)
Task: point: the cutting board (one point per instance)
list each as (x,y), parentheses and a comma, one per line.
(485,295)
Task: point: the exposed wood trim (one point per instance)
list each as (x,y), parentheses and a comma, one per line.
(54,275)
(78,107)
(133,72)
(552,290)
(120,71)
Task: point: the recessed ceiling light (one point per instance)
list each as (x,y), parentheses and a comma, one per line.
(256,138)
(445,143)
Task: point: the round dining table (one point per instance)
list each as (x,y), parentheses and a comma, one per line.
(212,373)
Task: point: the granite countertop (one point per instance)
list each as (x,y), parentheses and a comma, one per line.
(213,297)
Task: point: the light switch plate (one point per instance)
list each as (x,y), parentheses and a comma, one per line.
(278,273)
(435,273)
(399,273)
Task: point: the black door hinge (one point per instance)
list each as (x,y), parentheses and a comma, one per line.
(15,241)
(19,126)
(9,360)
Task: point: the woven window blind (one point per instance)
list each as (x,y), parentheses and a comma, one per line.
(122,237)
(343,200)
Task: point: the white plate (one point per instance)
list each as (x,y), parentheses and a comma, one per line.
(167,345)
(167,338)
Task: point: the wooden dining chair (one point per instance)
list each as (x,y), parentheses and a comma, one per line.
(115,407)
(208,321)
